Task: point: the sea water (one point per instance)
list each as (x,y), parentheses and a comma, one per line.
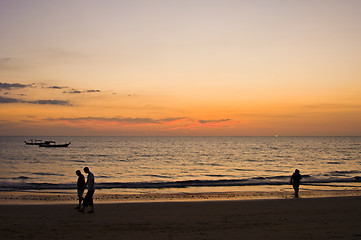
(143,164)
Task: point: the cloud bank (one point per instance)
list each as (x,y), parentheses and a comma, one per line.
(15,86)
(8,100)
(75,91)
(124,121)
(51,102)
(9,86)
(41,102)
(177,123)
(57,87)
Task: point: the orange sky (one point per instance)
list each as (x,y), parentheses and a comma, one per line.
(194,68)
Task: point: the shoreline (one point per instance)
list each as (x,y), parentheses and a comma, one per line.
(23,198)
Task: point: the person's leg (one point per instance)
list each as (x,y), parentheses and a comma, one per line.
(91,202)
(92,207)
(296,187)
(79,199)
(85,202)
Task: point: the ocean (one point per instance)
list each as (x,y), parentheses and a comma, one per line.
(174,164)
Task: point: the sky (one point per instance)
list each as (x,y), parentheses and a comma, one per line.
(180,68)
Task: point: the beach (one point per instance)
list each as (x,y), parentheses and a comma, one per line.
(183,188)
(180,120)
(308,218)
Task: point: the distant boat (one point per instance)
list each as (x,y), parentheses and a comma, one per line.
(38,142)
(53,144)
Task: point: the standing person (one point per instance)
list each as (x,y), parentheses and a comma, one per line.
(80,187)
(88,200)
(295,181)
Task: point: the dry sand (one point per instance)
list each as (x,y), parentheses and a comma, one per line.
(307,218)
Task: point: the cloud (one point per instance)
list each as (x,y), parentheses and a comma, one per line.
(119,120)
(41,102)
(9,86)
(75,91)
(178,123)
(8,100)
(51,102)
(172,119)
(48,87)
(57,87)
(214,121)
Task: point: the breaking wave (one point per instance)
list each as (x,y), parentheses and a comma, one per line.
(257,181)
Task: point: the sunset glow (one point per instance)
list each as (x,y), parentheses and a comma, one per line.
(180,68)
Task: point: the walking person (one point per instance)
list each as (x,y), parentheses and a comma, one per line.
(88,200)
(80,187)
(295,181)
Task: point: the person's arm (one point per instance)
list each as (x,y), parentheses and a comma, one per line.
(90,181)
(91,184)
(84,183)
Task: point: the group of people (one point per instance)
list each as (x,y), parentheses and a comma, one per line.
(81,185)
(90,184)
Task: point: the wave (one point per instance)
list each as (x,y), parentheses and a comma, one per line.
(157,176)
(334,163)
(257,181)
(47,174)
(342,173)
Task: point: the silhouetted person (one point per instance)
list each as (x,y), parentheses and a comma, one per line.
(295,181)
(80,187)
(88,200)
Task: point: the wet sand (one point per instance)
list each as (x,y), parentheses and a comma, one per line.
(103,197)
(304,218)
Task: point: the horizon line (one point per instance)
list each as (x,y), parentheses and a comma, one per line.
(275,136)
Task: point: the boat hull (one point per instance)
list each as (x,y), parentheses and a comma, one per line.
(54,145)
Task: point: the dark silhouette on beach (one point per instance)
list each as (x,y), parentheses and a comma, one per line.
(80,187)
(88,200)
(295,181)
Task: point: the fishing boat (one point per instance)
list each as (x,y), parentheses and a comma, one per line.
(37,142)
(53,144)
